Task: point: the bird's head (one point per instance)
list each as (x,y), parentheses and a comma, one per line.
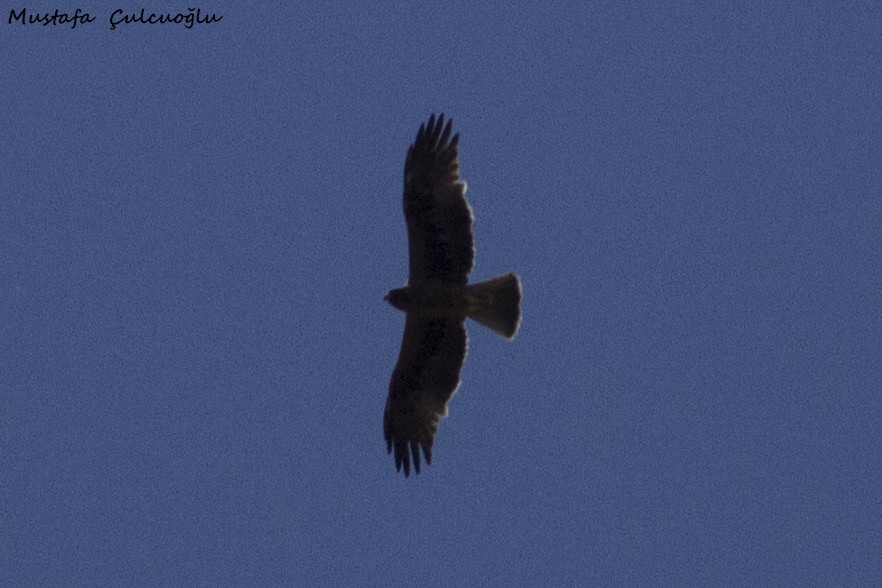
(398,298)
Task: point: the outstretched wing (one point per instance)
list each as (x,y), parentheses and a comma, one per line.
(425,378)
(439,220)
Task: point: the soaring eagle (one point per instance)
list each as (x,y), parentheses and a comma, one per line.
(438,297)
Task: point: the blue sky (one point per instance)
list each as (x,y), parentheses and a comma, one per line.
(197,228)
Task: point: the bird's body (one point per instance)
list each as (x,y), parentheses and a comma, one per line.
(434,300)
(437,298)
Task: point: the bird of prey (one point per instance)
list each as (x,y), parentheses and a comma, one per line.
(437,298)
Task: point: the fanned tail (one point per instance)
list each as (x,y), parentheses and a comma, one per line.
(496,304)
